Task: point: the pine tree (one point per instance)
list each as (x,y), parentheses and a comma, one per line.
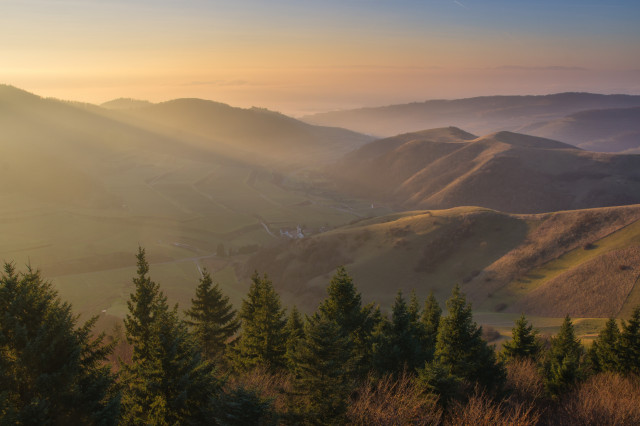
(212,318)
(295,334)
(430,323)
(167,382)
(460,349)
(400,347)
(263,338)
(50,371)
(629,344)
(604,351)
(343,306)
(145,306)
(524,342)
(562,368)
(323,370)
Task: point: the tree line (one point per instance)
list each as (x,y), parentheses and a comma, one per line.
(192,367)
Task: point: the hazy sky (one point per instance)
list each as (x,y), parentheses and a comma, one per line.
(299,56)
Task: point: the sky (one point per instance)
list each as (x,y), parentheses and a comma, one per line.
(304,56)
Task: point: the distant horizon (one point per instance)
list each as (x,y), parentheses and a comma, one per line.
(302,113)
(300,57)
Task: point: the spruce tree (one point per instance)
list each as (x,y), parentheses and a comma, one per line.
(211,318)
(295,334)
(323,370)
(145,305)
(460,349)
(604,351)
(51,372)
(400,347)
(562,365)
(524,342)
(167,382)
(343,305)
(629,344)
(263,339)
(430,323)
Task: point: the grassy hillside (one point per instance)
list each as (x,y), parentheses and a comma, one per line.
(81,187)
(582,263)
(479,115)
(504,171)
(607,130)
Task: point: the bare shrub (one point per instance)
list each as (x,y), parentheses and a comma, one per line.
(391,401)
(524,380)
(276,387)
(604,399)
(480,410)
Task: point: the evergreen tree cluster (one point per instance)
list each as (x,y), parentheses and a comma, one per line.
(185,366)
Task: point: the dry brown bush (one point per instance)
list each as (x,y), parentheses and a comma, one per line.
(276,387)
(391,401)
(480,410)
(604,399)
(524,380)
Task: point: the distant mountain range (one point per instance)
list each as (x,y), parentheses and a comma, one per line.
(480,115)
(602,130)
(506,171)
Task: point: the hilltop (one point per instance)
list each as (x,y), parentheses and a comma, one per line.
(505,171)
(481,115)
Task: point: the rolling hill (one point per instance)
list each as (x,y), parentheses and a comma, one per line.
(479,115)
(506,171)
(257,133)
(605,130)
(583,263)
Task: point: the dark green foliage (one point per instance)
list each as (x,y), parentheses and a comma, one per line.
(524,342)
(167,382)
(562,365)
(263,339)
(400,345)
(145,305)
(241,407)
(50,371)
(343,306)
(295,334)
(323,370)
(430,323)
(460,349)
(437,380)
(604,351)
(211,318)
(629,344)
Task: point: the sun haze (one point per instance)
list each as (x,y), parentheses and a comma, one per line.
(305,56)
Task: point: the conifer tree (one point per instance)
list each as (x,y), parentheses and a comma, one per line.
(343,305)
(295,334)
(323,370)
(604,351)
(400,347)
(524,342)
(50,371)
(263,338)
(167,382)
(460,349)
(212,318)
(145,305)
(430,323)
(561,367)
(629,344)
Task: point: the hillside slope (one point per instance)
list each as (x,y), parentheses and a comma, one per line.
(504,171)
(582,263)
(607,130)
(480,115)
